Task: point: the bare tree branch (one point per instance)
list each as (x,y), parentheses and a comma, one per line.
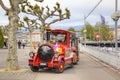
(51,14)
(56,20)
(10,2)
(3,6)
(39,0)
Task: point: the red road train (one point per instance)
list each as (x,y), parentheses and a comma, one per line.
(60,50)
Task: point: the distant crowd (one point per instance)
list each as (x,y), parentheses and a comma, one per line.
(20,44)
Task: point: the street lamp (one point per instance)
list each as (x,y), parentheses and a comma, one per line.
(115,16)
(85,35)
(85,30)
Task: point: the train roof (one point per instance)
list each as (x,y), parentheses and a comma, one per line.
(61,30)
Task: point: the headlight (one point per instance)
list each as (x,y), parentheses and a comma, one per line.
(56,55)
(31,54)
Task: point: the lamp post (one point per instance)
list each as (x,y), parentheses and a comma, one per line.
(116,38)
(115,16)
(85,30)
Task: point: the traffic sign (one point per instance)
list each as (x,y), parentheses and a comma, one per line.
(97,36)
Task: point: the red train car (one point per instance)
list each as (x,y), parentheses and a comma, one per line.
(60,50)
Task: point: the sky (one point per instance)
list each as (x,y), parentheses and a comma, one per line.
(78,9)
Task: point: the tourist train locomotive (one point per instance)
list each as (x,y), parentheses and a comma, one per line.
(60,50)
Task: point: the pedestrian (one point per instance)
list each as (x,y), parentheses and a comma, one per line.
(5,44)
(23,45)
(19,44)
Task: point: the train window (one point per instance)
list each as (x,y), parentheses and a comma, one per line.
(72,40)
(60,37)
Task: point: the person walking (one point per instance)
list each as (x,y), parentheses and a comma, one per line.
(23,45)
(6,44)
(19,44)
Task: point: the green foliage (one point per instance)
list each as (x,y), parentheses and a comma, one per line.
(71,29)
(25,18)
(1,39)
(28,24)
(58,5)
(103,31)
(67,13)
(90,31)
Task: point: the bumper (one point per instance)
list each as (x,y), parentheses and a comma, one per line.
(30,62)
(50,64)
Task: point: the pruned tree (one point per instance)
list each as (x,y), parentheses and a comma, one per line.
(90,31)
(104,31)
(71,29)
(30,25)
(45,15)
(12,13)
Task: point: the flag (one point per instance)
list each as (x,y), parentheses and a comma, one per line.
(102,20)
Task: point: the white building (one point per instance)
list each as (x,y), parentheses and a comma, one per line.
(36,36)
(25,37)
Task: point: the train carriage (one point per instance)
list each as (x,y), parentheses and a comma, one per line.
(60,50)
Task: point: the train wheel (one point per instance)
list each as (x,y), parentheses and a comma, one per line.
(60,68)
(71,65)
(75,61)
(34,69)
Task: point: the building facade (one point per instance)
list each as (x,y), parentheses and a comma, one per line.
(25,37)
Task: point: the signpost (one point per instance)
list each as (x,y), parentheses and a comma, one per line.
(97,36)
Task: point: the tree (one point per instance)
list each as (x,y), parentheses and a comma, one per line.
(12,13)
(45,15)
(90,31)
(30,25)
(103,30)
(71,29)
(1,39)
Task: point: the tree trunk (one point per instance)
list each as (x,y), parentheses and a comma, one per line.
(42,35)
(31,41)
(12,58)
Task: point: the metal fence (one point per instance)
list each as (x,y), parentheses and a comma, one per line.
(107,55)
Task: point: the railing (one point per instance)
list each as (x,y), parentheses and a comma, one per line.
(107,55)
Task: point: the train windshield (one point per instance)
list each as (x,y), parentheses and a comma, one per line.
(58,37)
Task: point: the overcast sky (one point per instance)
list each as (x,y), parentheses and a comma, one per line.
(78,9)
